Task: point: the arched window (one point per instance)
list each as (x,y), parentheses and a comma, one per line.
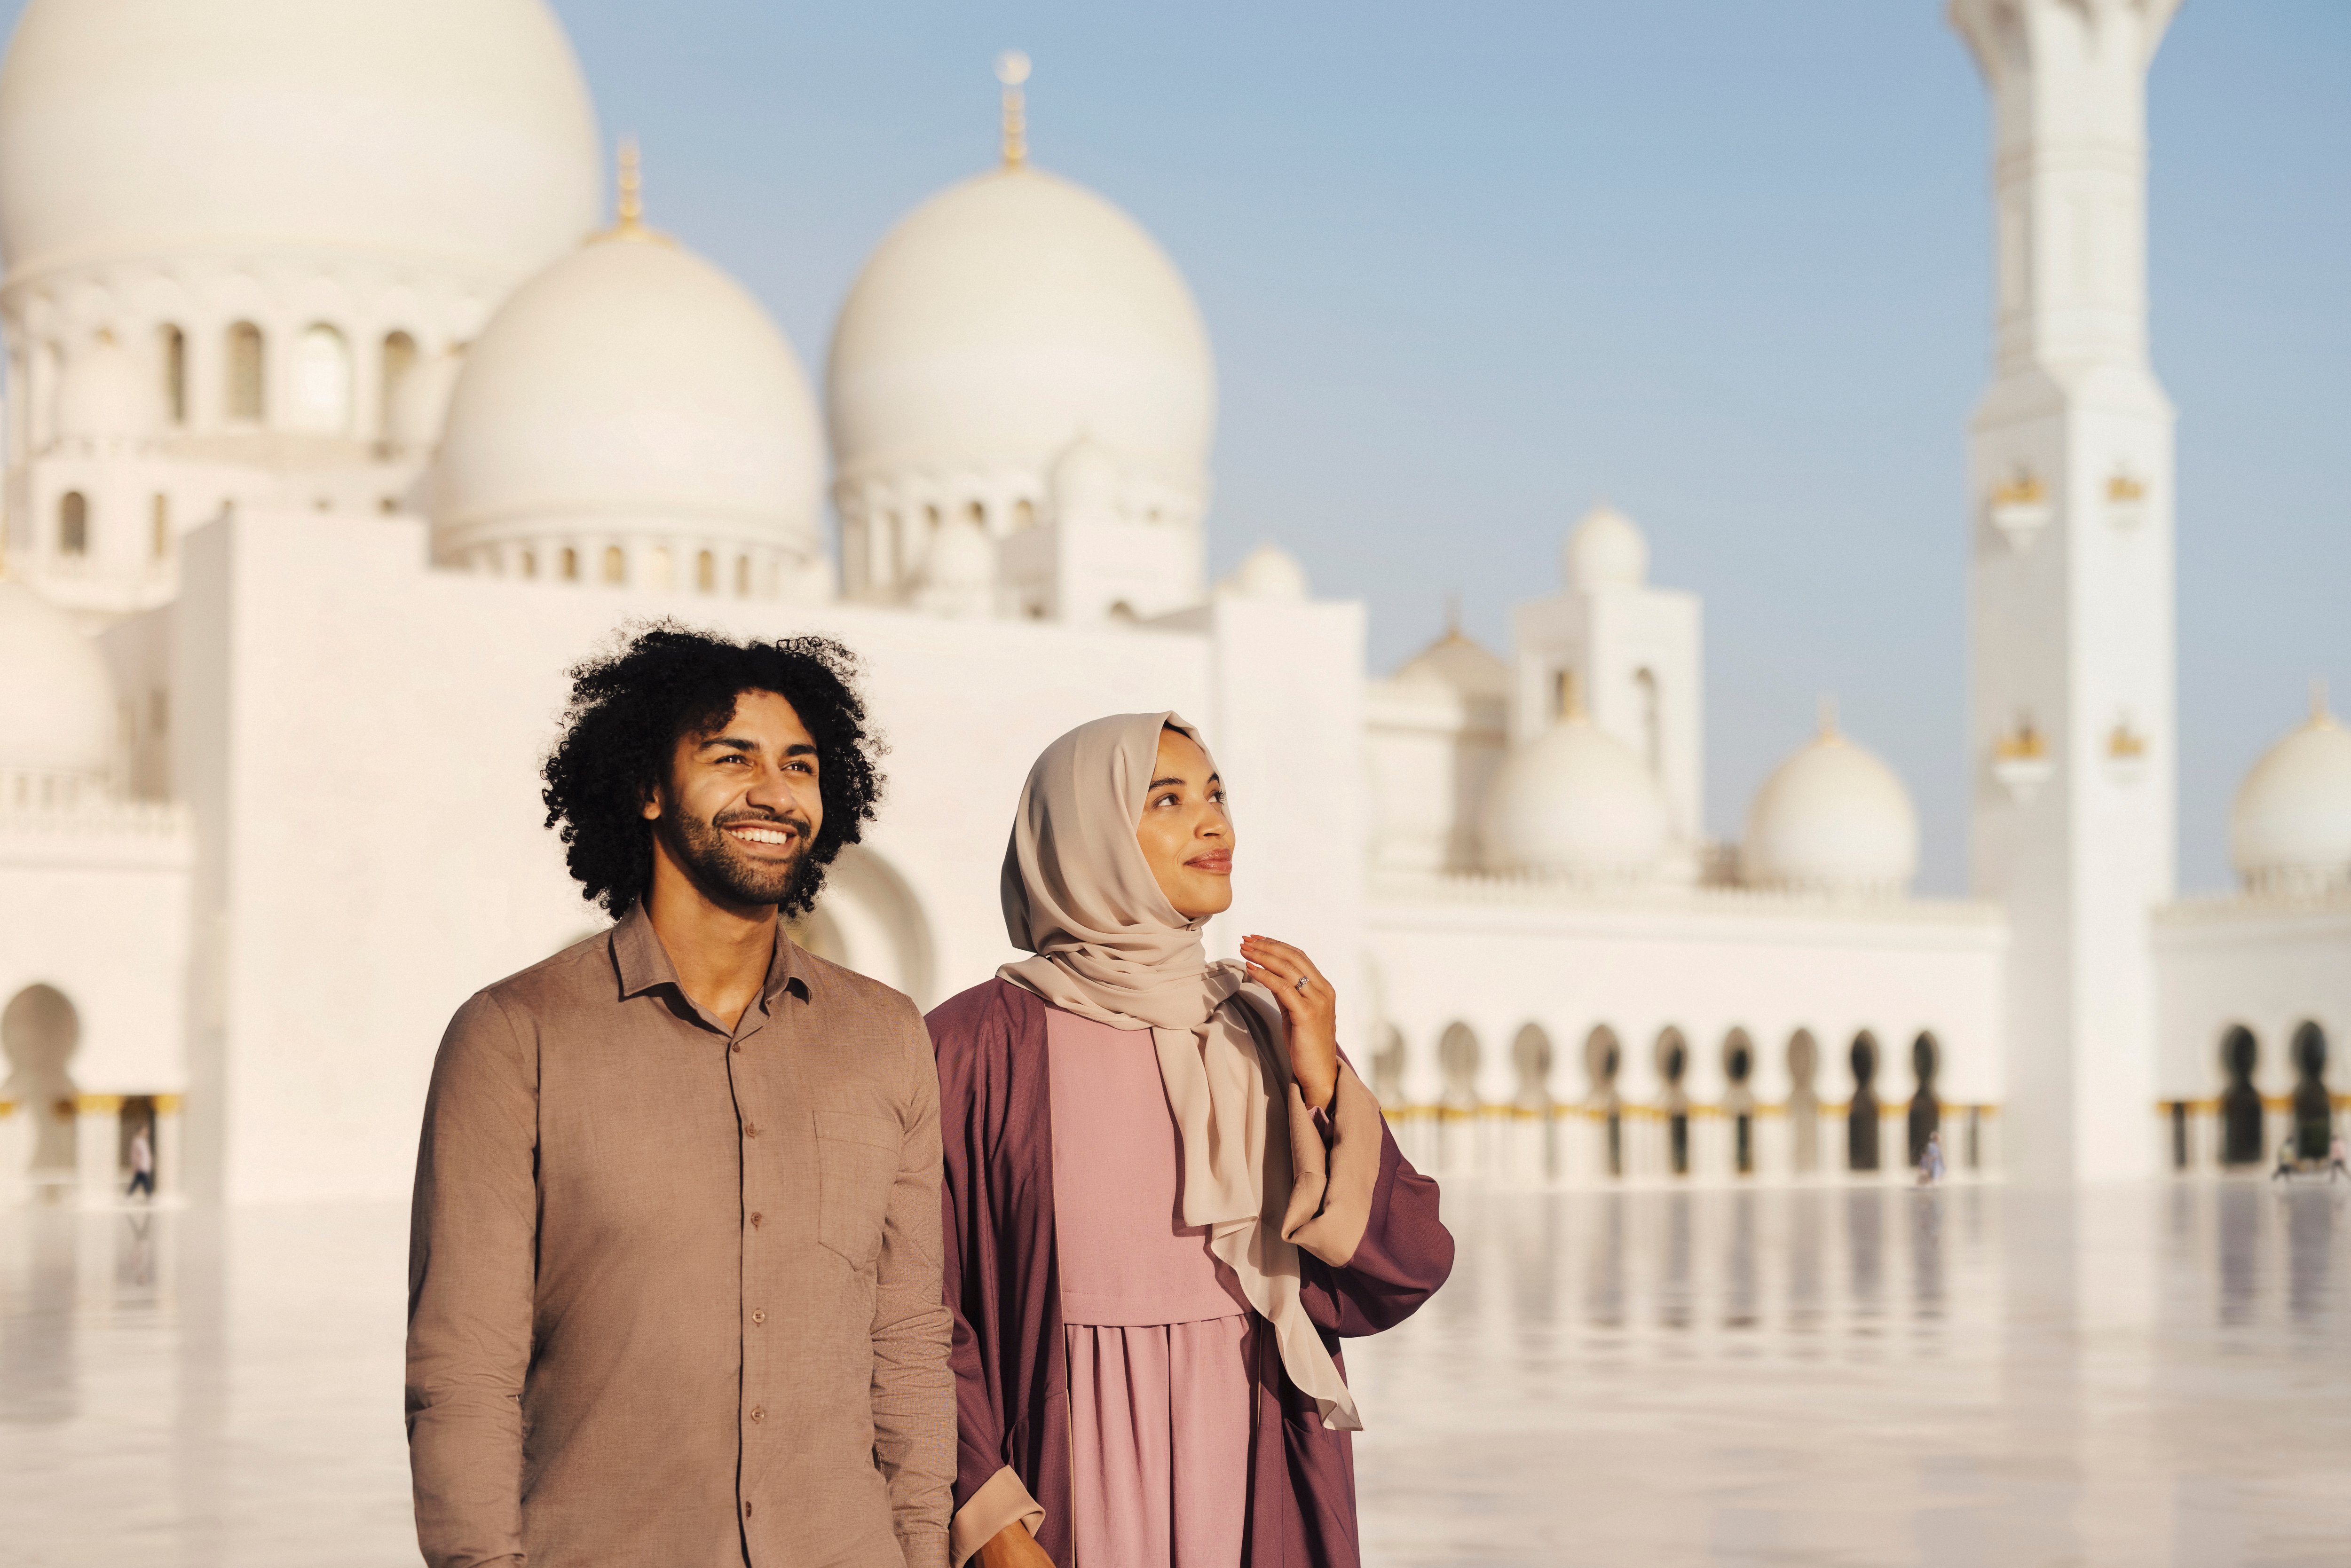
(40,1030)
(530,563)
(171,351)
(321,400)
(73,523)
(159,524)
(1603,1057)
(246,390)
(1673,1066)
(1653,740)
(1803,1101)
(1024,513)
(1531,1058)
(742,577)
(2241,1103)
(2313,1117)
(616,564)
(1925,1110)
(571,564)
(657,567)
(706,572)
(1456,1058)
(1739,1071)
(398,358)
(977,513)
(1861,1119)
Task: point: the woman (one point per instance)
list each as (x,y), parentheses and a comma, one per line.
(1166,1196)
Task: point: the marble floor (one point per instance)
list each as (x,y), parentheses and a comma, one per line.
(2143,1376)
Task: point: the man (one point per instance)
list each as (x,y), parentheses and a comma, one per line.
(673,1270)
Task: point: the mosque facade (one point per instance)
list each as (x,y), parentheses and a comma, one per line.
(328,454)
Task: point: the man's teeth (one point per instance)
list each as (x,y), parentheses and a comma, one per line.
(762,835)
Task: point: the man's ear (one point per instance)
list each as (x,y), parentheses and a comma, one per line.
(650,807)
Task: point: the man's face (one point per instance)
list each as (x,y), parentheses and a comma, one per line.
(740,808)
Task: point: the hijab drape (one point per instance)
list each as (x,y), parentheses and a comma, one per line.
(1108,946)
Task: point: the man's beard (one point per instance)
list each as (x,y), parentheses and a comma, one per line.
(720,868)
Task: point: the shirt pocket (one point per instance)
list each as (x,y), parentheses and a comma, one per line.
(857,1165)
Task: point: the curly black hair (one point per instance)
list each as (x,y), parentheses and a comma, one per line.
(628,709)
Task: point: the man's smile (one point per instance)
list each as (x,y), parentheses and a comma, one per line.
(781,834)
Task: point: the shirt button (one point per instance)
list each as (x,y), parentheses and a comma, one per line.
(747,1510)
(759,1413)
(755,1221)
(750,1129)
(759,1317)
(737,1046)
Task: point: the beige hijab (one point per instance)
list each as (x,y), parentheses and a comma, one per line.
(1109,947)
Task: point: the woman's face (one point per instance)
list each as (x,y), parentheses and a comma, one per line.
(1184,832)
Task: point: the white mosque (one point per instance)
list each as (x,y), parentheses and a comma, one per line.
(341,419)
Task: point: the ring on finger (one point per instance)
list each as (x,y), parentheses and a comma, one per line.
(1300,984)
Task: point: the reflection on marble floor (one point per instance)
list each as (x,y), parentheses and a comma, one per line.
(2139,1375)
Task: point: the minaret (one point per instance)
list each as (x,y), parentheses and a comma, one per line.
(2070,663)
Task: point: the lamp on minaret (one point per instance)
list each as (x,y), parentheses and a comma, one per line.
(2071,657)
(1012,69)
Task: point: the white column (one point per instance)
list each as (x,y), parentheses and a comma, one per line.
(170,1168)
(16,1128)
(98,1149)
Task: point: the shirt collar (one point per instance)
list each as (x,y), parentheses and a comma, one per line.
(643,963)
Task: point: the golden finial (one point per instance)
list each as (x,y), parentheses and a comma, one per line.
(1827,711)
(628,198)
(1012,69)
(2319,713)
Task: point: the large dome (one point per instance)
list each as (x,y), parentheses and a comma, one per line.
(2290,828)
(57,701)
(1575,801)
(631,389)
(452,131)
(1006,318)
(1833,817)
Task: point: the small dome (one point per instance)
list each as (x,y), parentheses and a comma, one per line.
(1833,817)
(631,388)
(1575,801)
(1268,572)
(105,394)
(1006,317)
(1459,664)
(57,700)
(1606,551)
(1086,479)
(2289,827)
(412,130)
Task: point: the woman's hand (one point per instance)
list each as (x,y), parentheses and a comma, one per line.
(1311,1006)
(1013,1547)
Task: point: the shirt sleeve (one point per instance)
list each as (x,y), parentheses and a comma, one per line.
(914,1392)
(471,1280)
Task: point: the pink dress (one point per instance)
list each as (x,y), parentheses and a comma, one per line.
(1157,1330)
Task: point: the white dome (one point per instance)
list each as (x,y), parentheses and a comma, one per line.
(1459,664)
(449,130)
(1575,801)
(57,700)
(1006,317)
(105,393)
(631,388)
(2289,827)
(1833,817)
(1606,551)
(1270,572)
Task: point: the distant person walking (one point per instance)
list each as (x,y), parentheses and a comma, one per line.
(2284,1170)
(2335,1165)
(1931,1160)
(142,1163)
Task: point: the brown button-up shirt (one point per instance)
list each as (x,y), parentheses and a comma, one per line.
(673,1287)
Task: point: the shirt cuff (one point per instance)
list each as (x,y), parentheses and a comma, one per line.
(999,1502)
(923,1548)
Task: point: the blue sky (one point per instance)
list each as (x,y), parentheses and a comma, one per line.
(1725,263)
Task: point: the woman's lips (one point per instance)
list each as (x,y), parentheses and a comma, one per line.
(1219,864)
